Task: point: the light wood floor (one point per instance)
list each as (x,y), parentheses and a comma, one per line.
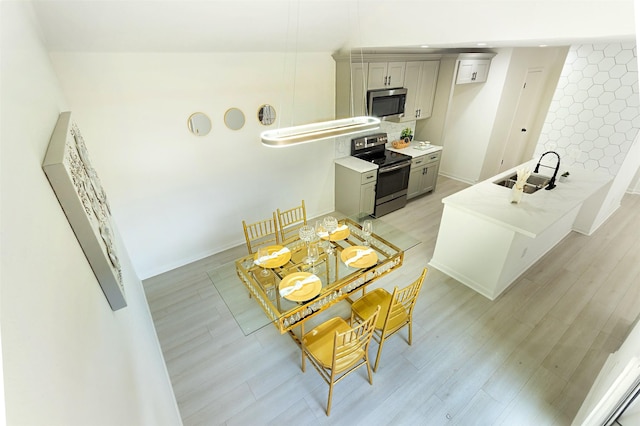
(528,358)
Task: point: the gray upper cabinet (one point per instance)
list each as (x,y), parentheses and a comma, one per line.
(356,74)
(473,71)
(359,74)
(385,75)
(420,80)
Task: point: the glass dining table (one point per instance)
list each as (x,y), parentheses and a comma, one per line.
(287,290)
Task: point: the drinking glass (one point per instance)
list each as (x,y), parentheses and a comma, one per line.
(367,230)
(307,233)
(320,231)
(312,257)
(319,228)
(262,252)
(330,224)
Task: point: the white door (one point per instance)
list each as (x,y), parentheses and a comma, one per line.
(515,150)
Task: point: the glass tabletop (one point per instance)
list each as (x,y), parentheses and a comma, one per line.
(256,300)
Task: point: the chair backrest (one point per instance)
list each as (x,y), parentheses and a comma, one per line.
(352,345)
(402,303)
(289,221)
(261,233)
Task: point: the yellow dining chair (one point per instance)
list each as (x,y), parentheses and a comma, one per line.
(289,221)
(337,349)
(261,233)
(396,311)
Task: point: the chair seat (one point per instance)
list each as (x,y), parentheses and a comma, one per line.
(319,343)
(367,304)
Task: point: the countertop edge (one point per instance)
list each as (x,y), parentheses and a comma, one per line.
(413,151)
(356,164)
(536,212)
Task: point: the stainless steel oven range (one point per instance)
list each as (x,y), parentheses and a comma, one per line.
(393,171)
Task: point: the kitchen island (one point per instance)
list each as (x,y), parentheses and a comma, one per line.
(486,242)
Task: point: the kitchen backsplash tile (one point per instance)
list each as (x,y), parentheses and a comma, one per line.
(392,129)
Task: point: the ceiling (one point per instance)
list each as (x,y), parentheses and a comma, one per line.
(325,25)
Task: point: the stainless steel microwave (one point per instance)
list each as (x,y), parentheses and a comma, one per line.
(386,103)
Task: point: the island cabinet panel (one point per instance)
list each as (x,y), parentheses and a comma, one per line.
(486,256)
(486,242)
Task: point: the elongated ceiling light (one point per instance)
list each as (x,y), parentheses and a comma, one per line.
(294,135)
(317,131)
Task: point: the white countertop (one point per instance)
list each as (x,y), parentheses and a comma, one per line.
(356,164)
(362,166)
(537,211)
(414,149)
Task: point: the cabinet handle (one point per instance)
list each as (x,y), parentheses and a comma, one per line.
(473,76)
(419,112)
(386,80)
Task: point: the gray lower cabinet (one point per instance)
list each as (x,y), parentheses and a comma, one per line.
(424,173)
(355,191)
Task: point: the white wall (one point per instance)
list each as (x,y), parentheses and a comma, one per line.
(634,188)
(178,198)
(549,60)
(470,120)
(68,359)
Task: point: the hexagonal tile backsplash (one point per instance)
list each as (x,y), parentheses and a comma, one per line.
(594,116)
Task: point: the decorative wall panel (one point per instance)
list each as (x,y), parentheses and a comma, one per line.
(84,201)
(594,118)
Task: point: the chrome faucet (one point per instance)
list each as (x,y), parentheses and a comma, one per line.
(552,182)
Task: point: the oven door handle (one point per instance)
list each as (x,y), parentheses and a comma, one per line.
(392,168)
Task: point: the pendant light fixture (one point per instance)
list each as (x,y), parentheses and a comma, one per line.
(294,135)
(317,131)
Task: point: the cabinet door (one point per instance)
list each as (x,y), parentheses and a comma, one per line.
(427,88)
(395,74)
(358,107)
(377,75)
(420,79)
(385,75)
(482,71)
(412,84)
(430,172)
(473,71)
(367,198)
(415,177)
(466,68)
(429,176)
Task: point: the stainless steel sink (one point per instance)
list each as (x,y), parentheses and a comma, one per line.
(534,183)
